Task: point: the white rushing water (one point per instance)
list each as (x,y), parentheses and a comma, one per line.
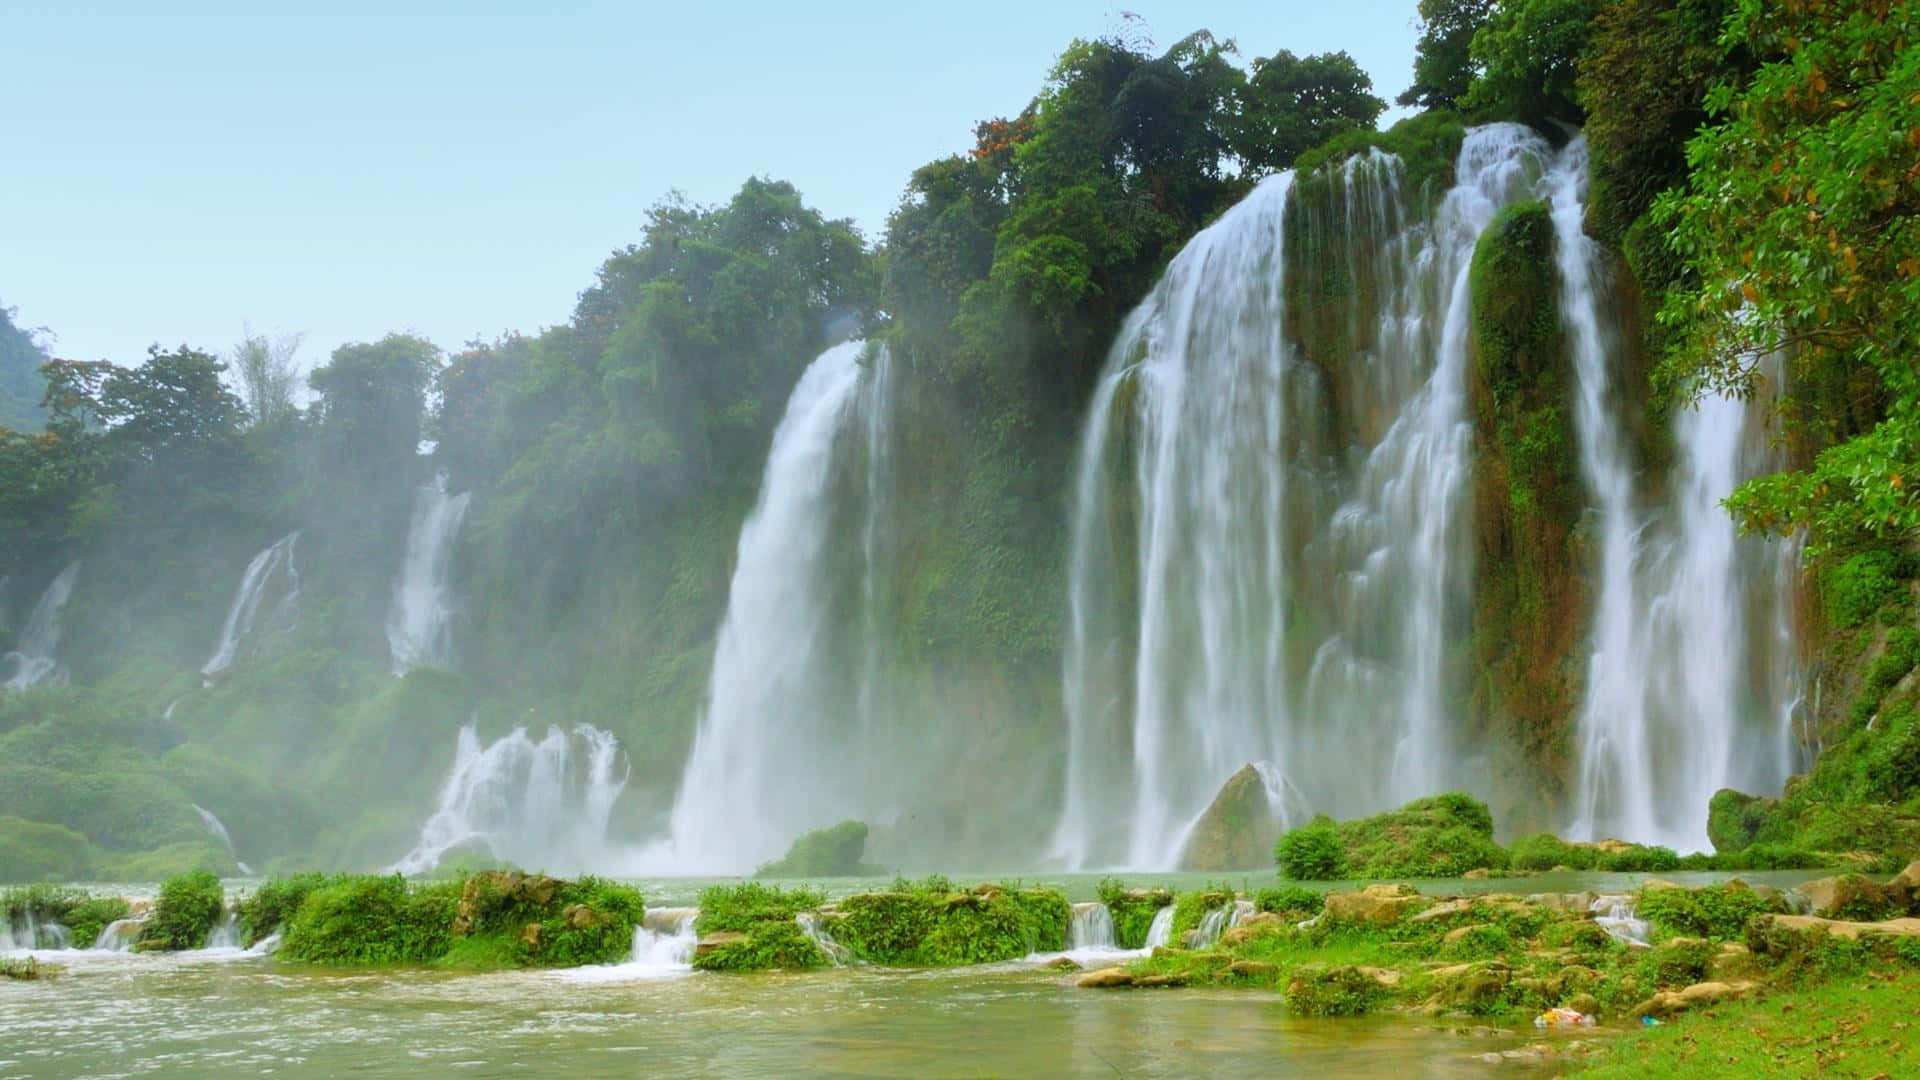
(541,805)
(1160,930)
(35,658)
(1292,602)
(1091,927)
(419,620)
(270,586)
(219,829)
(1692,679)
(663,945)
(775,754)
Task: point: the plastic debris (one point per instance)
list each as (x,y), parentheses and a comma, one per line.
(1563,1017)
(1649,1021)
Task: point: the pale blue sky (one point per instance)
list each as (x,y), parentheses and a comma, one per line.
(459,170)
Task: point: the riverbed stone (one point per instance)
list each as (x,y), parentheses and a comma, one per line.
(1106,979)
(1668,1002)
(1238,829)
(1375,905)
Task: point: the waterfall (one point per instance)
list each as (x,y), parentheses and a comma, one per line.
(1692,681)
(1616,915)
(271,573)
(1090,928)
(663,945)
(536,805)
(418,621)
(811,925)
(35,657)
(1269,557)
(1212,925)
(219,829)
(225,933)
(120,934)
(774,754)
(1160,930)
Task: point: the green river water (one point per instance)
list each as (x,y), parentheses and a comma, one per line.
(219,1012)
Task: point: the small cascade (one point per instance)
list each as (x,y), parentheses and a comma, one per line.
(778,749)
(22,932)
(266,946)
(527,803)
(1211,926)
(217,828)
(225,933)
(663,945)
(1616,915)
(419,621)
(1160,930)
(266,603)
(1091,927)
(35,658)
(814,926)
(119,935)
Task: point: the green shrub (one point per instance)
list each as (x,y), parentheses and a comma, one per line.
(1291,900)
(1677,963)
(1312,852)
(829,852)
(1544,851)
(1718,912)
(740,907)
(923,927)
(1639,860)
(184,914)
(1133,910)
(1486,940)
(273,904)
(1191,908)
(38,851)
(82,913)
(509,919)
(1316,990)
(1854,588)
(85,920)
(769,944)
(369,919)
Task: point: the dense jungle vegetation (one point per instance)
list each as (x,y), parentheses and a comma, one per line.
(1755,165)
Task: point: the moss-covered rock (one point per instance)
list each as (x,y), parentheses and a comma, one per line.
(835,851)
(1442,836)
(366,919)
(1237,830)
(936,928)
(1339,990)
(1133,910)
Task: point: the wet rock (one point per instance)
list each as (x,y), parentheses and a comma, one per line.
(1385,977)
(715,941)
(1153,981)
(1064,963)
(1668,1002)
(1106,979)
(491,891)
(1375,905)
(1237,831)
(1259,925)
(1468,986)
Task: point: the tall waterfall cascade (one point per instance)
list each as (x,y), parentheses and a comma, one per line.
(789,733)
(35,658)
(1272,556)
(1693,682)
(543,803)
(267,602)
(1244,585)
(419,620)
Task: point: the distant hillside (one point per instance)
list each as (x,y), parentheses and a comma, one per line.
(20,360)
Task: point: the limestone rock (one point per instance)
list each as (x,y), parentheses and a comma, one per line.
(1106,979)
(530,935)
(1151,981)
(1669,1002)
(1846,895)
(1445,909)
(1903,889)
(580,916)
(1238,829)
(719,939)
(1478,873)
(1065,963)
(1782,935)
(1733,963)
(1571,903)
(1258,925)
(1459,933)
(1465,986)
(1375,905)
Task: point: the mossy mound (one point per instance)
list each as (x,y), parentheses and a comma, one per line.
(754,927)
(937,927)
(1237,830)
(1133,910)
(185,914)
(835,851)
(497,919)
(1442,836)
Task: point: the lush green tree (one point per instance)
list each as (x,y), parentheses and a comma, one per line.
(1528,54)
(1799,227)
(373,399)
(1291,104)
(21,355)
(1443,62)
(268,374)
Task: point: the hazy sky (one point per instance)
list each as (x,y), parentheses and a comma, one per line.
(461,169)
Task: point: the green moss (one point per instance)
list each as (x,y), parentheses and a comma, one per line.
(1333,991)
(1427,144)
(184,914)
(1191,908)
(739,907)
(1545,851)
(1441,836)
(1292,901)
(505,918)
(1677,963)
(939,929)
(768,945)
(831,852)
(273,904)
(1855,587)
(38,851)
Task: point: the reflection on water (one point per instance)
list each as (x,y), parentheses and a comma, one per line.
(123,1015)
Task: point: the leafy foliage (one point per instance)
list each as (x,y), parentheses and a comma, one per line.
(1441,836)
(184,914)
(1443,61)
(367,919)
(1717,912)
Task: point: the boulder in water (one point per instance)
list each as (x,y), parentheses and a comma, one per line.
(1106,979)
(1238,829)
